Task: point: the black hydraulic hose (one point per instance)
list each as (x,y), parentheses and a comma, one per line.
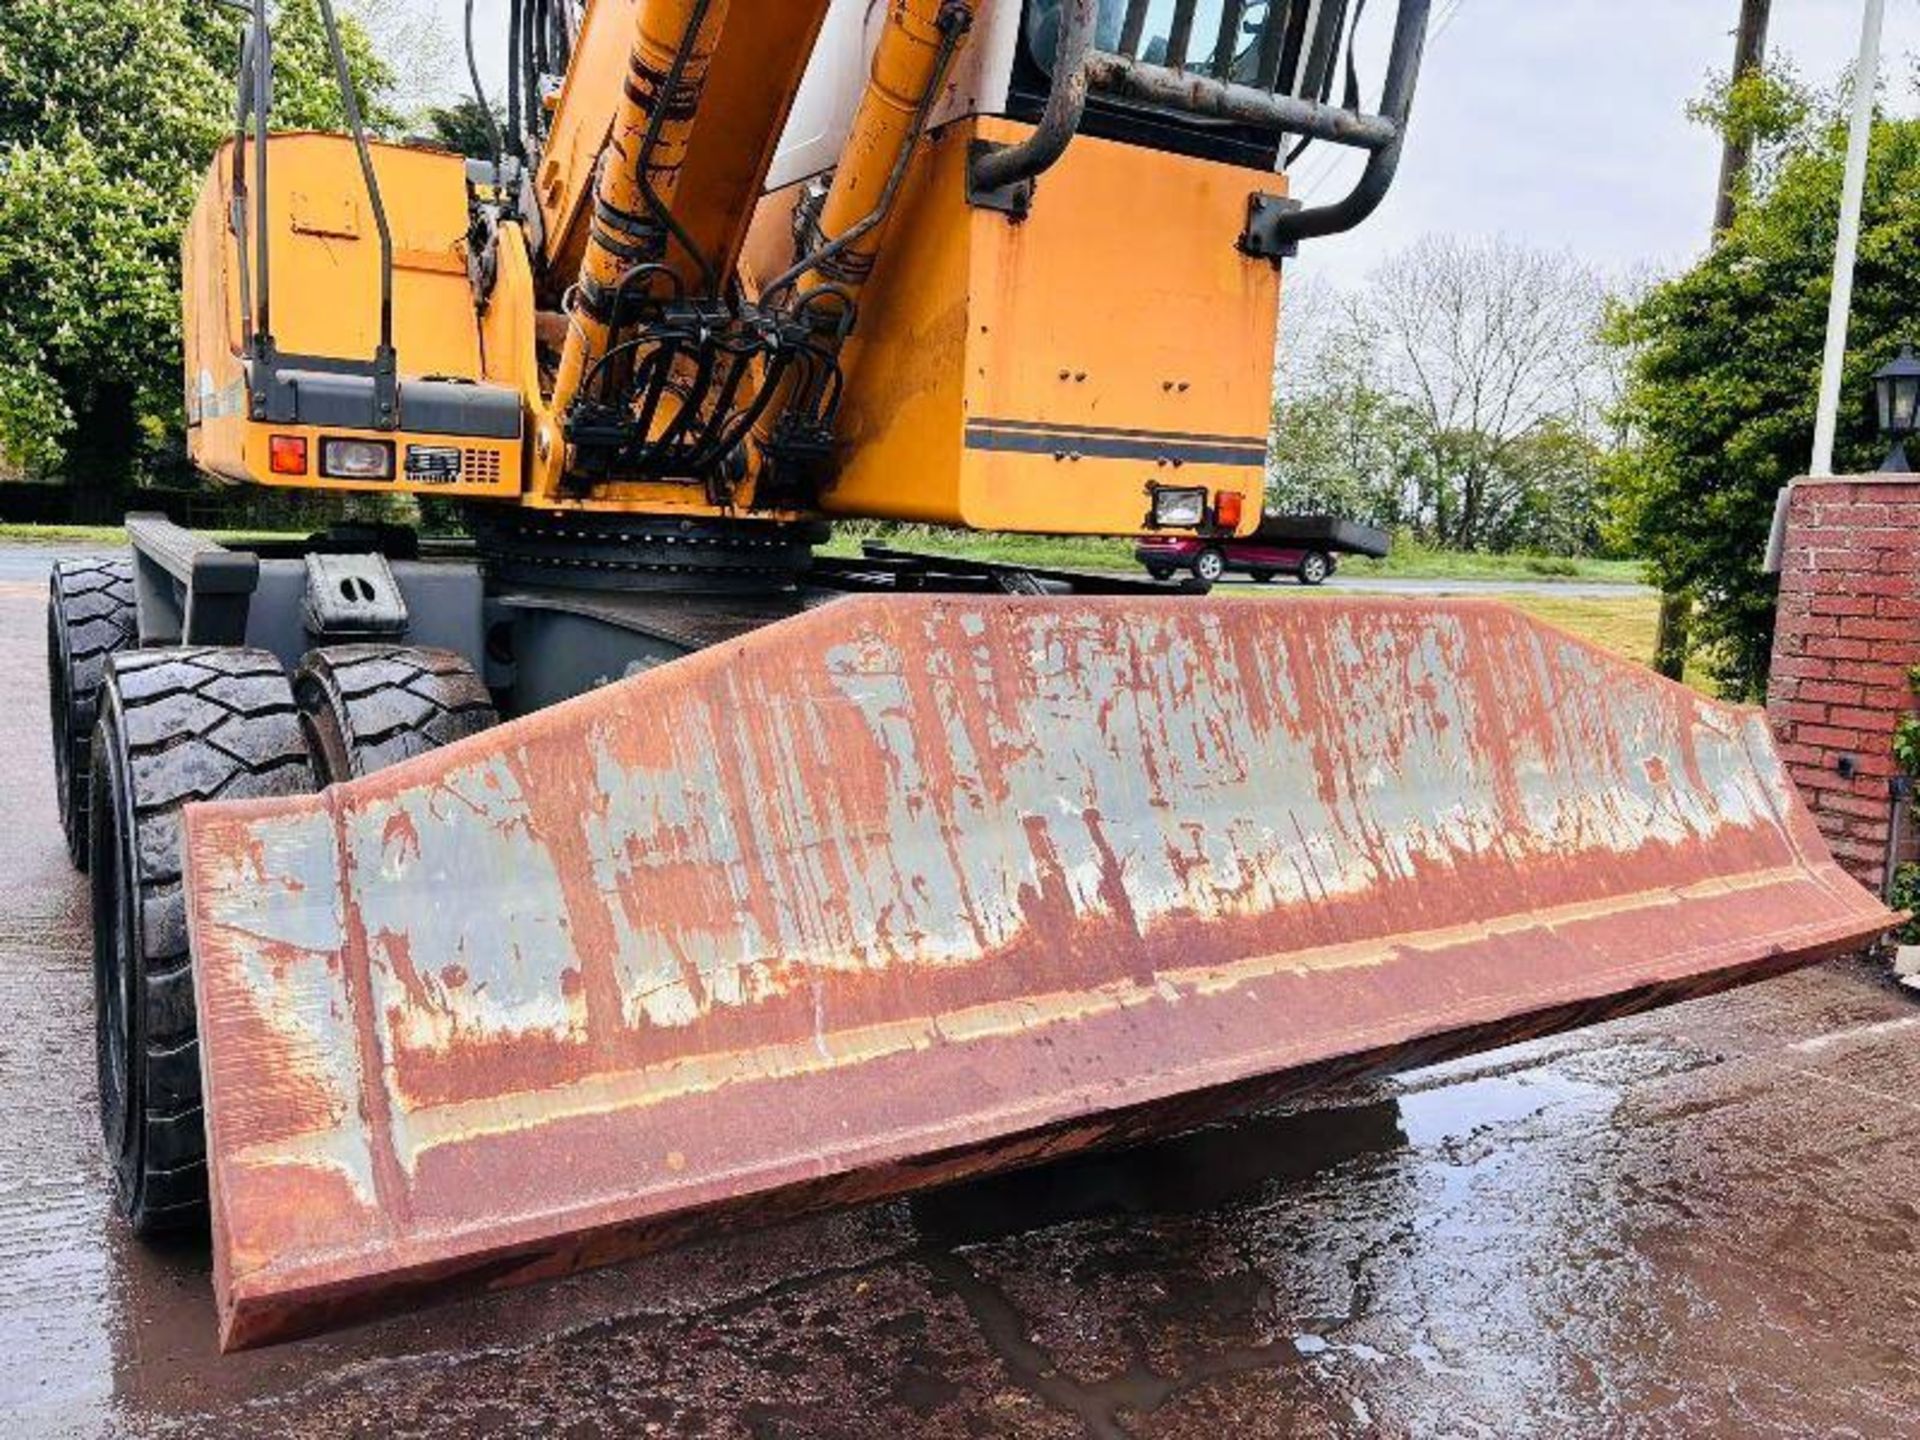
(530,67)
(731,437)
(262,106)
(480,99)
(691,402)
(237,213)
(723,437)
(696,457)
(662,359)
(517,136)
(696,21)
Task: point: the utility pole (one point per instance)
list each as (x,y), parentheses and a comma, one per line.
(1749,54)
(1673,640)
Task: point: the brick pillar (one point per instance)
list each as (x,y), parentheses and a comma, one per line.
(1847,631)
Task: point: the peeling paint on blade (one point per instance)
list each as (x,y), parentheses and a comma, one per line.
(906,888)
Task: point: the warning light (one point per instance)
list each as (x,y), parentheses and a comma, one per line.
(287,454)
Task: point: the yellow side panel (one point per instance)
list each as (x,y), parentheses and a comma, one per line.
(325,254)
(210,307)
(1040,375)
(508,346)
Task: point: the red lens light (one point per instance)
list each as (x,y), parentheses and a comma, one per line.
(1227,509)
(287,454)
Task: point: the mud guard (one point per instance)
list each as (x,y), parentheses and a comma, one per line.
(906,889)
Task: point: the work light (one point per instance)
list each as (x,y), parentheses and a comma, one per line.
(342,459)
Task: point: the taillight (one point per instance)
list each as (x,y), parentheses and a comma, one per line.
(287,454)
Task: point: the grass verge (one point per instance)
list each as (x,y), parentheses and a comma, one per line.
(1411,563)
(62,535)
(1064,552)
(1067,552)
(1626,625)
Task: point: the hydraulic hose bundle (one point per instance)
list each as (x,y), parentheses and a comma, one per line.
(668,371)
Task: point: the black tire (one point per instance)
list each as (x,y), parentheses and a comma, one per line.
(1261,577)
(366,707)
(175,726)
(1209,565)
(90,618)
(1315,568)
(1159,572)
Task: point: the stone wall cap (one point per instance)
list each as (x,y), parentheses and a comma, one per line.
(1874,477)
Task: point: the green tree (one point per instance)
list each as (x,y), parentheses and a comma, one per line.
(1553,475)
(1724,365)
(110,111)
(464,126)
(1341,444)
(1456,396)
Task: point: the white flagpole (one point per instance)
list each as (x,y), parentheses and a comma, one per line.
(1866,79)
(1866,76)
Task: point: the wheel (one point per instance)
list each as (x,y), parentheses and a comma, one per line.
(1315,568)
(365,707)
(1261,577)
(175,726)
(89,618)
(1209,565)
(1159,572)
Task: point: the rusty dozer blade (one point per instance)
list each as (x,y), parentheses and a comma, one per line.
(905,889)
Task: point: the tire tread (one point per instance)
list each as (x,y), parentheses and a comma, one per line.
(196,725)
(392,702)
(90,604)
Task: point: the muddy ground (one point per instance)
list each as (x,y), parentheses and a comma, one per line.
(1705,1220)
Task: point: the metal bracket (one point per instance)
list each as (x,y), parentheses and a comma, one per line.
(187,589)
(1265,238)
(1014,200)
(353,597)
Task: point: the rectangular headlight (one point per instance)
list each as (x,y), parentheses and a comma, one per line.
(342,459)
(1179,509)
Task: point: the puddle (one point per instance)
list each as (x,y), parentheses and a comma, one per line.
(1188,1174)
(1435,1115)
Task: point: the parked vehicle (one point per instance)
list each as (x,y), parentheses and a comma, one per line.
(1210,560)
(1303,546)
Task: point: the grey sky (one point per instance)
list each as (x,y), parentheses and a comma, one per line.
(1558,121)
(1563,122)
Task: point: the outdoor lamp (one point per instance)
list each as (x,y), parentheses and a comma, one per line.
(1897,389)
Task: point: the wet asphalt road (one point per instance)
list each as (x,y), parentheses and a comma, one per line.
(1703,1221)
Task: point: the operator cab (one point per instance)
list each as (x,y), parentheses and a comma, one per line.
(1285,47)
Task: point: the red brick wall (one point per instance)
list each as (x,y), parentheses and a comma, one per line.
(1847,631)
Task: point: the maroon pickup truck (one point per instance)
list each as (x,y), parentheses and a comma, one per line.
(1303,546)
